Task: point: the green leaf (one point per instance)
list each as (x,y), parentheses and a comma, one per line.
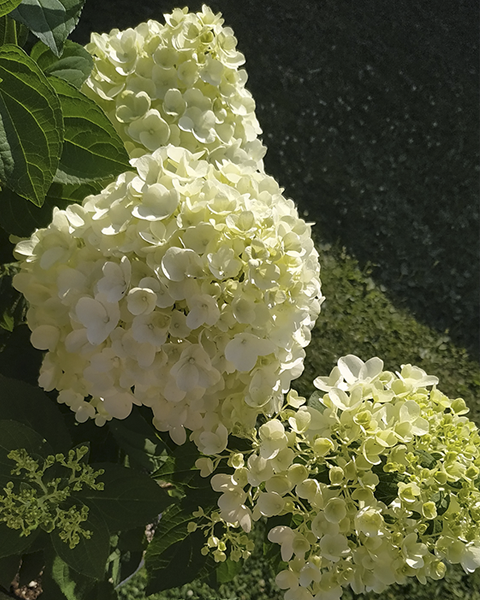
(12,543)
(12,304)
(180,470)
(314,401)
(129,499)
(8,569)
(12,32)
(27,404)
(138,439)
(75,192)
(74,65)
(125,560)
(18,357)
(20,217)
(89,557)
(51,21)
(228,570)
(32,565)
(62,582)
(31,126)
(173,557)
(92,149)
(7,6)
(13,436)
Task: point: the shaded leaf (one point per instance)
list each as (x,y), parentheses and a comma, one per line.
(20,217)
(12,32)
(60,581)
(173,557)
(32,565)
(180,469)
(138,439)
(92,149)
(31,126)
(12,542)
(7,6)
(12,304)
(51,21)
(18,357)
(27,404)
(8,569)
(73,66)
(228,570)
(129,499)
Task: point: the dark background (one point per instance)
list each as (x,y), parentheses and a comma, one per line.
(370,113)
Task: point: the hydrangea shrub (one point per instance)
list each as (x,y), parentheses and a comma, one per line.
(177,83)
(190,285)
(184,287)
(371,483)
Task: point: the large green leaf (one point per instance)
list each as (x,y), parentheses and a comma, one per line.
(74,65)
(60,581)
(8,569)
(51,21)
(18,358)
(129,499)
(173,557)
(27,404)
(7,6)
(12,32)
(89,557)
(12,543)
(32,565)
(92,149)
(138,438)
(180,470)
(21,217)
(228,570)
(31,126)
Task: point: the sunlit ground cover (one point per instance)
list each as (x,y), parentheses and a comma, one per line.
(357,317)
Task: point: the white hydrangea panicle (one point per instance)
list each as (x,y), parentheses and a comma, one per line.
(153,293)
(370,491)
(179,83)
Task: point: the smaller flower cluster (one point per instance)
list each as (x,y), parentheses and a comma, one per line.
(184,287)
(375,482)
(38,503)
(177,83)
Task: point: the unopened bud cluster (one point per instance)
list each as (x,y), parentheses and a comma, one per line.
(39,499)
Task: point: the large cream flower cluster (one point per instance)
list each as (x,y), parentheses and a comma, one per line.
(177,83)
(376,483)
(184,287)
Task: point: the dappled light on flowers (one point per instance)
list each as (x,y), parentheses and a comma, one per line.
(369,492)
(177,83)
(158,294)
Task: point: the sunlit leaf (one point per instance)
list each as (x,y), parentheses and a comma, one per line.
(31,126)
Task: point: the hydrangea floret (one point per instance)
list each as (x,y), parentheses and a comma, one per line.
(43,501)
(183,287)
(177,83)
(371,483)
